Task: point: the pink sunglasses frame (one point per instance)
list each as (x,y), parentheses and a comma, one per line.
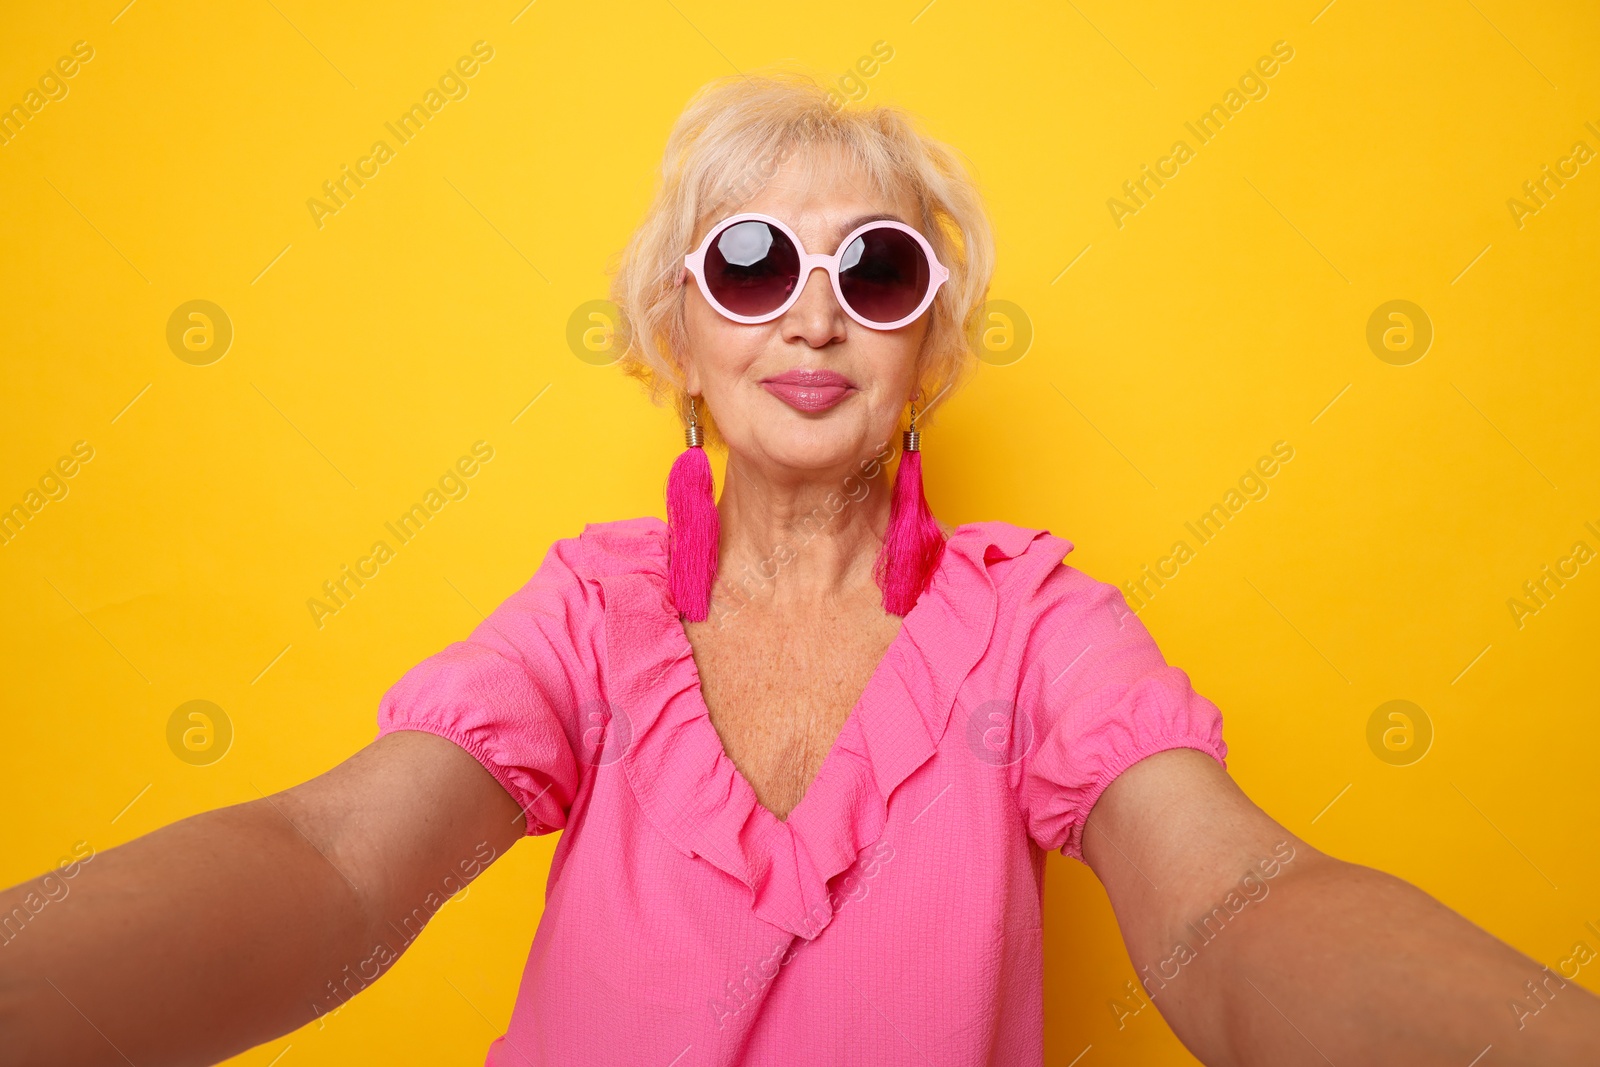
(694,263)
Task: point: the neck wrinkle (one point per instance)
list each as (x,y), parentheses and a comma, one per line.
(803,542)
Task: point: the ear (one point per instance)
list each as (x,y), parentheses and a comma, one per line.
(683,275)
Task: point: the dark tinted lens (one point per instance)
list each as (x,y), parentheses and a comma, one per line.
(884,275)
(751,268)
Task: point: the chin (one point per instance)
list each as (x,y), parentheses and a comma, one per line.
(813,448)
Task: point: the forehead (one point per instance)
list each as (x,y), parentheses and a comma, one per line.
(822,195)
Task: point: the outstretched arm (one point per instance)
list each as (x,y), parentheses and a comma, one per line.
(268,913)
(1258,949)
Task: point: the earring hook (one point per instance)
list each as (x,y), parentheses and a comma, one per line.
(693,435)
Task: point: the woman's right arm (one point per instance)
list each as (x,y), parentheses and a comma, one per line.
(229,928)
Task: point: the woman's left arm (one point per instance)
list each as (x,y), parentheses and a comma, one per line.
(1259,949)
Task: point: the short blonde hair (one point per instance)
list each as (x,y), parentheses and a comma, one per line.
(728,142)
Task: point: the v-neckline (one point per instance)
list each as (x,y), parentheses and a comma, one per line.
(851,720)
(687,786)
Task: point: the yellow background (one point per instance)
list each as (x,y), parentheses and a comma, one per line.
(1226,315)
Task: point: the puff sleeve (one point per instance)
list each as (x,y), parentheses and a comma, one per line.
(515,693)
(1101,698)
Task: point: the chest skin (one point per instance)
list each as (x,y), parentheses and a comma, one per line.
(780,686)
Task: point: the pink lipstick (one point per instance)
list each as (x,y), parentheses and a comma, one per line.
(809,390)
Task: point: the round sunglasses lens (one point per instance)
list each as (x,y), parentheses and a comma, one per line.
(884,274)
(751,268)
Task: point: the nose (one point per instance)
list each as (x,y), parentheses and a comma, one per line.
(816,318)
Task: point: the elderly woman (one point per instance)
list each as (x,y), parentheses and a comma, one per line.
(808,746)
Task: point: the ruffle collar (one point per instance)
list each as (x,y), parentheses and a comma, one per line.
(691,791)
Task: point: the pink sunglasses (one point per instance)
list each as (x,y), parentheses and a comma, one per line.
(751,267)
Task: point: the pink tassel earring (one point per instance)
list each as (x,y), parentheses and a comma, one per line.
(913,544)
(692,526)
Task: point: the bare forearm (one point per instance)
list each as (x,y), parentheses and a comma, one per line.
(226,929)
(183,946)
(1347,964)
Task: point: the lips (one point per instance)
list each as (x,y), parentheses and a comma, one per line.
(809,390)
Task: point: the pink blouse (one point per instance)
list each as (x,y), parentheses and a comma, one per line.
(894,916)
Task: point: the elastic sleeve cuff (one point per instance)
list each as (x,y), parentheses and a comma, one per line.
(1103,698)
(1115,765)
(534,827)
